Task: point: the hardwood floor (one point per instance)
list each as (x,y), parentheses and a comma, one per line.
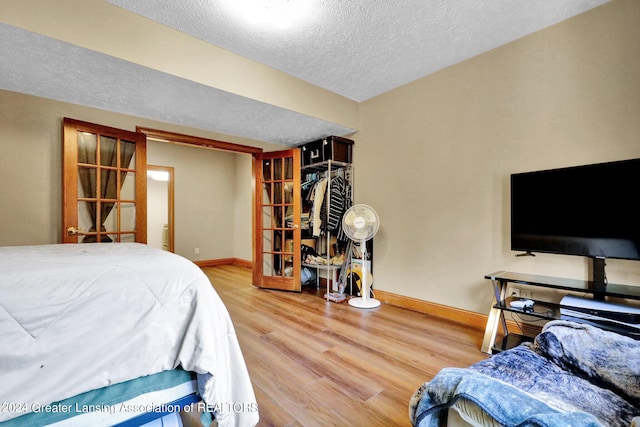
(316,363)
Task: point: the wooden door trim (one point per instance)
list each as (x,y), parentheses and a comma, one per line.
(182,139)
(256,169)
(141,190)
(69,176)
(178,138)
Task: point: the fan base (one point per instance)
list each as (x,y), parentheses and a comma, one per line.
(360,302)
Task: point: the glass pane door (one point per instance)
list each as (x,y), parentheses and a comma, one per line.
(104,195)
(278,222)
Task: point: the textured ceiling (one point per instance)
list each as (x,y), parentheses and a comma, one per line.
(358,49)
(363,48)
(41,66)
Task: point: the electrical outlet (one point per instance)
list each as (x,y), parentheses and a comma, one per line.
(196,251)
(515,292)
(526,293)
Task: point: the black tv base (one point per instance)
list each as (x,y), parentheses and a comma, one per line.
(546,310)
(598,281)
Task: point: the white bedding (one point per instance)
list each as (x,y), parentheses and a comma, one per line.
(79,317)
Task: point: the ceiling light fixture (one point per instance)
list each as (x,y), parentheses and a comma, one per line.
(280,13)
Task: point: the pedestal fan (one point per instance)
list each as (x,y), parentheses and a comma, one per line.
(360,223)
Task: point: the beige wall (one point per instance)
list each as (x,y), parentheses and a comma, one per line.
(31,178)
(209,198)
(157,213)
(243,220)
(434,157)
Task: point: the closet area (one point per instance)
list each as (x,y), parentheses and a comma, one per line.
(326,194)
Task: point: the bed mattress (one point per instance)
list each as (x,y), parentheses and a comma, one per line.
(75,318)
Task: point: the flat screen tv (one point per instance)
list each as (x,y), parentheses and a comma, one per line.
(591,210)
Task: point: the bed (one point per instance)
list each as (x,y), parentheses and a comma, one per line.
(571,375)
(109,333)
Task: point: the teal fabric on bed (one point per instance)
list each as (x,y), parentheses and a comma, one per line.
(100,399)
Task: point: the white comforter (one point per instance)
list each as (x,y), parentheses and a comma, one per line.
(79,317)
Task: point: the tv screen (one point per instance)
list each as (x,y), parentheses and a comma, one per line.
(591,210)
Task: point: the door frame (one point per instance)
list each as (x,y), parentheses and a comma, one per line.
(170,202)
(179,138)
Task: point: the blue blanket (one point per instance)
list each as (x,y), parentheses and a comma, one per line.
(572,374)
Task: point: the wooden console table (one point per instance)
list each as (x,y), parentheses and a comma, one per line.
(543,310)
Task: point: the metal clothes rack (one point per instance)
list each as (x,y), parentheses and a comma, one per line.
(329,169)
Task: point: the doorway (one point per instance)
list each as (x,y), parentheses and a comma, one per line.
(213,196)
(160,207)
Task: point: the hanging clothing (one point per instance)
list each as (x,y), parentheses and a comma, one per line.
(318,198)
(336,200)
(348,202)
(336,192)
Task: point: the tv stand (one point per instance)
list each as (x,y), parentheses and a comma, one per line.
(542,309)
(527,253)
(598,278)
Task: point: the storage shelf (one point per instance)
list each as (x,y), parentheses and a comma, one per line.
(324,166)
(546,310)
(510,341)
(329,169)
(573,285)
(541,309)
(323,266)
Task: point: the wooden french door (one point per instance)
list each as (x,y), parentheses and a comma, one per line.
(104,195)
(277,220)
